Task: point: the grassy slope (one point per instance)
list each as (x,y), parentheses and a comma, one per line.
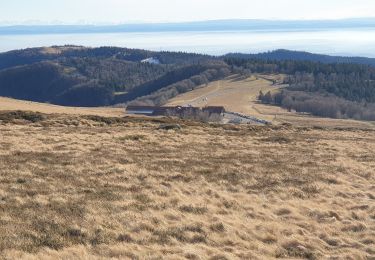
(9,104)
(235,93)
(92,187)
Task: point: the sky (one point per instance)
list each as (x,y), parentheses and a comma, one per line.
(125,11)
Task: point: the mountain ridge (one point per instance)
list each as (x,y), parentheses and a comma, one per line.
(210,25)
(284,54)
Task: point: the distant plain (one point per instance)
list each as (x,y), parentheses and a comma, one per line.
(346,42)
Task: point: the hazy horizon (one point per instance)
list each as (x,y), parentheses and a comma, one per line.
(333,27)
(146,11)
(81,23)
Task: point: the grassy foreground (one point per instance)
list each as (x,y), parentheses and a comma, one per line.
(90,187)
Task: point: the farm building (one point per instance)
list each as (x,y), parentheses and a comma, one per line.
(172,111)
(152,110)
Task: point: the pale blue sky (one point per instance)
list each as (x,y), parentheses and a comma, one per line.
(120,11)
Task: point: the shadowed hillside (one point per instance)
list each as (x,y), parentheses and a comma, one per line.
(78,76)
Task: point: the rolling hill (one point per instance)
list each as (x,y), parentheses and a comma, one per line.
(77,76)
(90,183)
(90,77)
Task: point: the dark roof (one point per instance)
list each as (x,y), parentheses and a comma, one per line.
(176,109)
(132,107)
(139,108)
(214,109)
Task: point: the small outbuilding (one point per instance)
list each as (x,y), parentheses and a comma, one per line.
(151,60)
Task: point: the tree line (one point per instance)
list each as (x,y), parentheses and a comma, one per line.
(337,90)
(327,105)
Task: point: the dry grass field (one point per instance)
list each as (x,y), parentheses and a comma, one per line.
(237,94)
(88,187)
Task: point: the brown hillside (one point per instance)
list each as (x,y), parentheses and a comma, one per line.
(93,188)
(8,104)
